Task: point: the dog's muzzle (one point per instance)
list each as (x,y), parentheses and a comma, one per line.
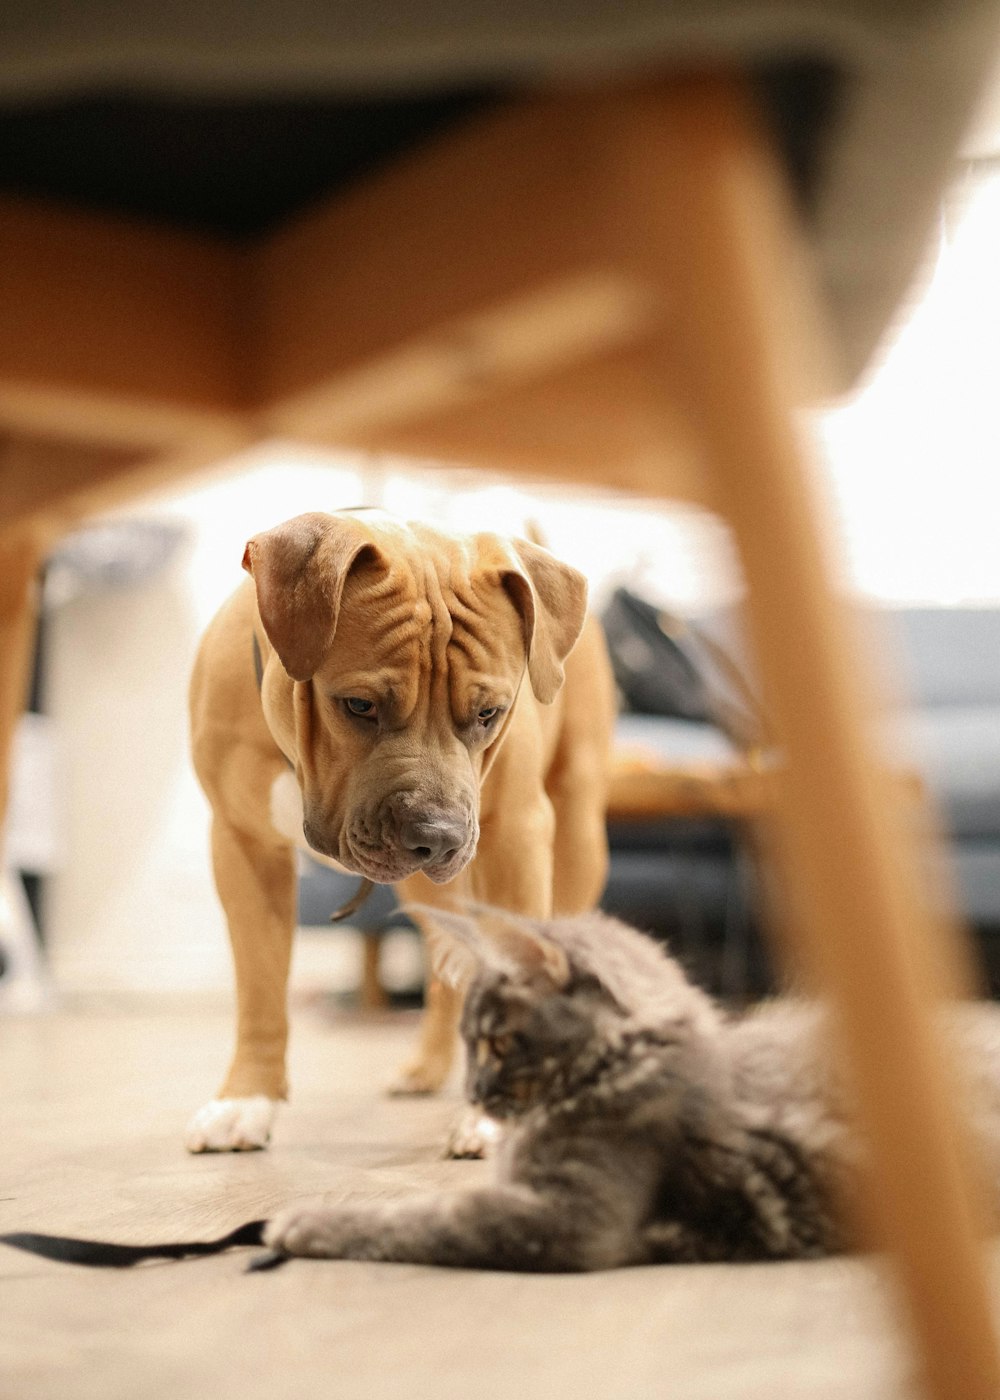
(401,839)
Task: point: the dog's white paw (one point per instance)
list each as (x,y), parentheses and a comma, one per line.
(231,1125)
(474,1135)
(307,1230)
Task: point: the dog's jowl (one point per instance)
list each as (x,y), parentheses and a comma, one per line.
(423,709)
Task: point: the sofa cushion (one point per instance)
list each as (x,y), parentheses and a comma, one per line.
(958,750)
(949,656)
(662,740)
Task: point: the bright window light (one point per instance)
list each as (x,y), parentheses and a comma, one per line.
(914,458)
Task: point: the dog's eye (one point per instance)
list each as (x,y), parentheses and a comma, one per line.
(489,714)
(364,709)
(501,1045)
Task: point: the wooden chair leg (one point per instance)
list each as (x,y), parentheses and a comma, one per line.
(868,938)
(20,557)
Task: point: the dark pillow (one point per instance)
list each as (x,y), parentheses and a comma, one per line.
(673,666)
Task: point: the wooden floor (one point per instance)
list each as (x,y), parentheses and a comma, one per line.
(92,1104)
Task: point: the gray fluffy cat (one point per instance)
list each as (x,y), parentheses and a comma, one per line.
(640,1124)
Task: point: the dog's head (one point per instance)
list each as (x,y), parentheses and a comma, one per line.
(407,649)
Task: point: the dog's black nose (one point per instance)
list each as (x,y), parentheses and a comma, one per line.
(432,842)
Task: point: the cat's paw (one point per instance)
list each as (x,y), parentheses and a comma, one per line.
(473,1135)
(231,1125)
(305,1230)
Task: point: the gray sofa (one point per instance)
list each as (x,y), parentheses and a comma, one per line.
(952,658)
(695,883)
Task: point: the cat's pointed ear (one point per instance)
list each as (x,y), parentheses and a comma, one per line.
(518,944)
(457,952)
(460,945)
(522,943)
(299,570)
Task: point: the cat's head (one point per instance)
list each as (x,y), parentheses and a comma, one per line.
(547,1000)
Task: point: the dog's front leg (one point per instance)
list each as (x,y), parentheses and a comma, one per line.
(437,1038)
(257,886)
(513,869)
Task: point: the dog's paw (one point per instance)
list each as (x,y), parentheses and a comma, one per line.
(419,1077)
(305,1230)
(473,1135)
(231,1125)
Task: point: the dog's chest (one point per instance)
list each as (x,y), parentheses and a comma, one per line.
(285,811)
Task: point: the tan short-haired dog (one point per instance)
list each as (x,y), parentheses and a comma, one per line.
(392,698)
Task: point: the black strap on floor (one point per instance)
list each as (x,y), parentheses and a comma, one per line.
(104,1255)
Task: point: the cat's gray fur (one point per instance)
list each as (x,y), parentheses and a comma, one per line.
(641,1124)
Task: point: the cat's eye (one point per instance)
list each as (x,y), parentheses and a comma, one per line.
(492,1047)
(361,709)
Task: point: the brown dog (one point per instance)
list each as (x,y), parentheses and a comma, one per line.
(391,697)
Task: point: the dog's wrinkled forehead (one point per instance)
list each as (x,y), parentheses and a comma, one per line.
(430,591)
(417,560)
(306,570)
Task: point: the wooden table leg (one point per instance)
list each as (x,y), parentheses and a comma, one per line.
(868,936)
(20,558)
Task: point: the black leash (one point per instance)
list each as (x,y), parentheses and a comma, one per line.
(102,1254)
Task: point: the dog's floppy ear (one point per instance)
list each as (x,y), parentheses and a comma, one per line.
(552,600)
(299,570)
